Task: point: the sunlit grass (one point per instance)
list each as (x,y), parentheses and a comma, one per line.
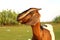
(22,32)
(15,33)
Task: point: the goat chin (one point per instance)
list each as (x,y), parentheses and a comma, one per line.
(50,29)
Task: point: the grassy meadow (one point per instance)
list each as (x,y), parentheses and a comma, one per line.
(23,32)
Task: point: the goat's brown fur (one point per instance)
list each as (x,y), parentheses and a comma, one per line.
(32,17)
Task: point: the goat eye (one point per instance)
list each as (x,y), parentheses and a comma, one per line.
(31,12)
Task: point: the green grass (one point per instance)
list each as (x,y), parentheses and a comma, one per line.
(15,32)
(22,32)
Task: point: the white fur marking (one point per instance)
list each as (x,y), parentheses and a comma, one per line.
(50,28)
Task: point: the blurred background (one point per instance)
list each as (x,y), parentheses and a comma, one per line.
(10,29)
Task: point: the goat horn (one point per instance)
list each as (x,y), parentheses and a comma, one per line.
(40,9)
(23,15)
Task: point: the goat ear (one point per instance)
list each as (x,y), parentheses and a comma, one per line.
(33,20)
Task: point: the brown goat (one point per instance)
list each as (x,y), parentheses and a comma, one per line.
(32,17)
